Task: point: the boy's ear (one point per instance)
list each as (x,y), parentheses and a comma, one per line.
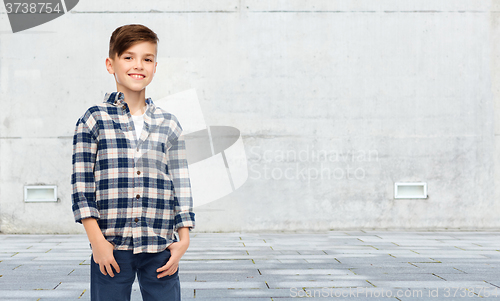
(109,66)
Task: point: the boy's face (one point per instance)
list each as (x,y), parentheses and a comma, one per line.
(135,68)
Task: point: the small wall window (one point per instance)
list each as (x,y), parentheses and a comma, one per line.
(40,193)
(410,190)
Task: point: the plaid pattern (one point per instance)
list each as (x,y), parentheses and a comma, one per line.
(138,205)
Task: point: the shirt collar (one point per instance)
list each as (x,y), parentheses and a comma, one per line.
(118,98)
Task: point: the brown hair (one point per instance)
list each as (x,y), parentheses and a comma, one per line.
(127,36)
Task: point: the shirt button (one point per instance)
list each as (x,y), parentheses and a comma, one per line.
(136,220)
(138,172)
(124,107)
(116,101)
(130,128)
(137,196)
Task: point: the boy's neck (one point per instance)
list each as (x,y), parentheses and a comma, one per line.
(136,101)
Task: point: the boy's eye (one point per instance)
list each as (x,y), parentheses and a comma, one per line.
(127,57)
(149,60)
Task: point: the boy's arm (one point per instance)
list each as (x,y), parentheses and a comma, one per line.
(183,201)
(83,197)
(101,248)
(177,250)
(82,180)
(178,169)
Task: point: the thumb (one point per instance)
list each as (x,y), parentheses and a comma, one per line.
(166,266)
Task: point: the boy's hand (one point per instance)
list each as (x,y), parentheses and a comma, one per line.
(177,249)
(102,250)
(103,255)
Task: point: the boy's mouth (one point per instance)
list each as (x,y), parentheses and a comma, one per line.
(137,76)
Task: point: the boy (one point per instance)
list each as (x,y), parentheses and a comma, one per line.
(130,181)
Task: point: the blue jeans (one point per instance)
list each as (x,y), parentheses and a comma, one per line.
(119,288)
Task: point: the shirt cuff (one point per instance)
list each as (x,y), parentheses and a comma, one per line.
(184,219)
(83,212)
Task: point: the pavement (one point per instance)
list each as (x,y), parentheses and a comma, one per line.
(342,265)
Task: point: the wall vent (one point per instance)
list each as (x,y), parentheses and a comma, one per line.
(40,193)
(410,190)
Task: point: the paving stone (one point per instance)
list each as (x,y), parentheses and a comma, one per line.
(214,276)
(39,293)
(439,283)
(469,277)
(242,293)
(318,284)
(223,284)
(232,298)
(403,277)
(305,272)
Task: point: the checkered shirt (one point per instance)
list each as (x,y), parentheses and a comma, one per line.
(138,205)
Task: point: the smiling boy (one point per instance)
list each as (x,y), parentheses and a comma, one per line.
(130,181)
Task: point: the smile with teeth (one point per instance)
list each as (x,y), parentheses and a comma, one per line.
(137,76)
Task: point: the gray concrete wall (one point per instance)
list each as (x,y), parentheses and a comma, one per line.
(336,101)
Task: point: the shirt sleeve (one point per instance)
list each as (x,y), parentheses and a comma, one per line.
(82,180)
(178,169)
